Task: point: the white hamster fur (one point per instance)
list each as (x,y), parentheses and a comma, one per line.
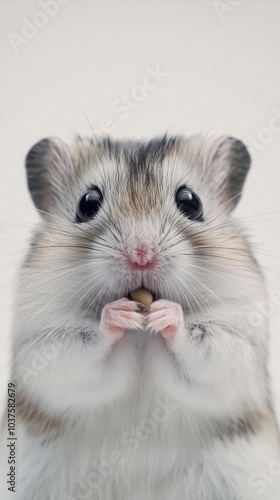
(120,403)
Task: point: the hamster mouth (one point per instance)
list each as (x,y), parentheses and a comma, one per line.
(144,287)
(155,295)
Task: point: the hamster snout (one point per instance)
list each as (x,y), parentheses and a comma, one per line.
(141,256)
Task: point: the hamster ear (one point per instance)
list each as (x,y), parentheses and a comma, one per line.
(226,162)
(47,163)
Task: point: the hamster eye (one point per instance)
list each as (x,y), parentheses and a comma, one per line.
(189,204)
(89,204)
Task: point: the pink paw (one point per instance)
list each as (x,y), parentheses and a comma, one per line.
(120,315)
(165,317)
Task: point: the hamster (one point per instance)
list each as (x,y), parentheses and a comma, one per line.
(120,402)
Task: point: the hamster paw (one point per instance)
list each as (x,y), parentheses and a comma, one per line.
(166,317)
(120,315)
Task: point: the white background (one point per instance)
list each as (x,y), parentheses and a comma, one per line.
(223,77)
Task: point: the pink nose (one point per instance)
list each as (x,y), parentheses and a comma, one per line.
(141,257)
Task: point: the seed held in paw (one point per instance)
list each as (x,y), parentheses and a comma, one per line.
(143,296)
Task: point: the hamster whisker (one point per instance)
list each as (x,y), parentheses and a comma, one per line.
(237,249)
(53,228)
(225,257)
(100,295)
(202,301)
(64,231)
(180,284)
(222,205)
(82,298)
(110,219)
(87,119)
(203,285)
(42,309)
(37,209)
(202,257)
(65,327)
(61,272)
(229,223)
(227,278)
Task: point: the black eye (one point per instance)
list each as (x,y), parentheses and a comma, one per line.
(189,204)
(89,205)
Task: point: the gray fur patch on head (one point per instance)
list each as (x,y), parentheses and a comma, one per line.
(55,169)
